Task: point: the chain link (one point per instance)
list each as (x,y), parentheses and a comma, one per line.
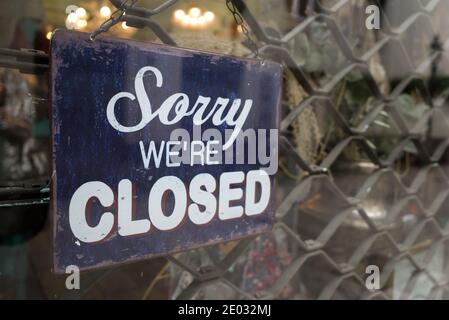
(240,22)
(115,18)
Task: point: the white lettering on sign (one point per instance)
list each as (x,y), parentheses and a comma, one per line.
(200,192)
(77,211)
(179,104)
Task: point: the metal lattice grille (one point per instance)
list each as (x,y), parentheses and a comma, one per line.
(370,188)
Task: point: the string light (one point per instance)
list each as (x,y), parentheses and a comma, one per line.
(194,18)
(105,11)
(81,24)
(81,12)
(72,17)
(209,16)
(76,18)
(194,12)
(186,20)
(179,14)
(49,35)
(202,21)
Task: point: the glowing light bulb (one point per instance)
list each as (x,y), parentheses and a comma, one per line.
(179,14)
(194,12)
(195,17)
(81,23)
(124,25)
(202,21)
(209,16)
(105,11)
(72,17)
(194,22)
(49,34)
(81,12)
(186,20)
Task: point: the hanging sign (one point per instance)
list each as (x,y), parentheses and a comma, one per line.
(157,149)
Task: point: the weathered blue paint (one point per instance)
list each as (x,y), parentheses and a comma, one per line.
(84,77)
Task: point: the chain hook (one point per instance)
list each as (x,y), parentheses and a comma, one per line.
(241,23)
(115,18)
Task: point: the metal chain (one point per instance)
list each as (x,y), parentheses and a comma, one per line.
(115,18)
(241,23)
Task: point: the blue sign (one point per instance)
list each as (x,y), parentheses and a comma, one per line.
(158,149)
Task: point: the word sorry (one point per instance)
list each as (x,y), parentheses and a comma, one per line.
(201,193)
(179,105)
